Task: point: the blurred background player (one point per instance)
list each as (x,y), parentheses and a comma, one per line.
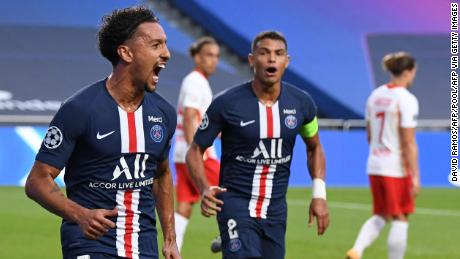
(391,115)
(194,98)
(259,121)
(116,158)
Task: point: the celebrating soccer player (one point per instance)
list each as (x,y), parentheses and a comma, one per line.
(259,121)
(113,138)
(391,115)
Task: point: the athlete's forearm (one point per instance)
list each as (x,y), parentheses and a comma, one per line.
(163,192)
(190,124)
(41,187)
(410,158)
(194,160)
(316,161)
(409,151)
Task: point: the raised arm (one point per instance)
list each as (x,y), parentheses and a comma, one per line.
(164,197)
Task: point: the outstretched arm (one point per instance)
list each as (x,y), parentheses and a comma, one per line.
(163,192)
(40,187)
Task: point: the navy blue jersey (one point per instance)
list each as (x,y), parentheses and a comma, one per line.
(110,158)
(257,144)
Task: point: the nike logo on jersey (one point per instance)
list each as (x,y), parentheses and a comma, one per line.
(244,124)
(99,136)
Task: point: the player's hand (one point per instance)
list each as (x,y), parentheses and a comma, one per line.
(415,186)
(95,223)
(318,209)
(170,250)
(210,205)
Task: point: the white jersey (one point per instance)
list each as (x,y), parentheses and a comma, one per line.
(195,93)
(389,108)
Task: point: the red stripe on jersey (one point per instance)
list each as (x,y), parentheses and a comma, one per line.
(262,185)
(269,122)
(132,133)
(128,223)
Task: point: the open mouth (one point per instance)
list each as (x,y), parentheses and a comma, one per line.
(270,71)
(156,71)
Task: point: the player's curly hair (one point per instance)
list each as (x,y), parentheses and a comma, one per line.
(199,44)
(119,26)
(273,35)
(396,63)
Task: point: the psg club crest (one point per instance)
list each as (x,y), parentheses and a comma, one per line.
(234,245)
(156,133)
(53,137)
(290,121)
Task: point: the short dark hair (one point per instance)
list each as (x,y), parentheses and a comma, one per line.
(119,26)
(199,44)
(396,63)
(273,35)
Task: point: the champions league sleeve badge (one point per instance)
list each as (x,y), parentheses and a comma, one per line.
(53,137)
(204,122)
(156,133)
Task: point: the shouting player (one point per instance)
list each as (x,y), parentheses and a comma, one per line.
(194,98)
(113,138)
(259,121)
(391,115)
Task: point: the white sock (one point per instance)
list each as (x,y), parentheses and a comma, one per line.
(181,225)
(397,239)
(368,233)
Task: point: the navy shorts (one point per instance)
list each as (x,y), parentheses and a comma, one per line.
(247,237)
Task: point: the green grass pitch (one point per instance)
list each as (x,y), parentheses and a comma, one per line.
(28,231)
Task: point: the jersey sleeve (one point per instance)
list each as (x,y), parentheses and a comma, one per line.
(171,128)
(60,138)
(309,126)
(192,95)
(409,112)
(310,109)
(211,124)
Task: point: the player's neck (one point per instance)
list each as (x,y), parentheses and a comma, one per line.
(201,72)
(124,91)
(395,82)
(267,94)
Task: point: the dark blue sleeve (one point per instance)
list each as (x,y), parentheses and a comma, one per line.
(60,138)
(171,128)
(310,110)
(211,124)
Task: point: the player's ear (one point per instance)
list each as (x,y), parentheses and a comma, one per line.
(251,59)
(287,61)
(125,53)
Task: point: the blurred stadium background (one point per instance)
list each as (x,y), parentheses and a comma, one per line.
(48,51)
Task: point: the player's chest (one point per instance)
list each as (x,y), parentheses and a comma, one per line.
(112,132)
(255,121)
